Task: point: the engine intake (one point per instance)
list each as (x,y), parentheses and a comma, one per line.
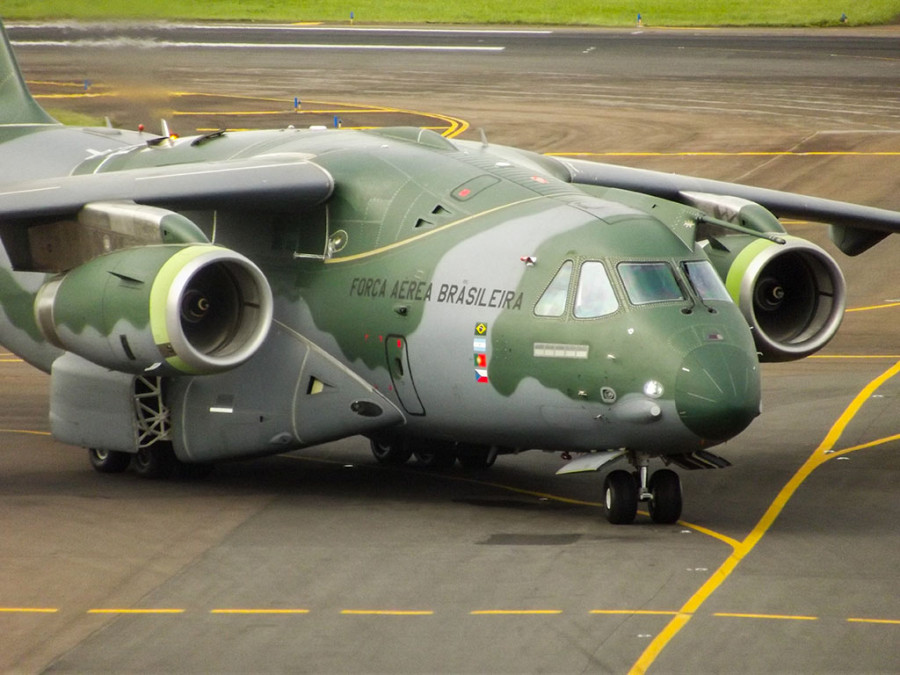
(793,294)
(190,309)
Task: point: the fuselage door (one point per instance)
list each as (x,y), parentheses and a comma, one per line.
(401,376)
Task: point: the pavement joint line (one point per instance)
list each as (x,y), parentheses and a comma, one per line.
(28,610)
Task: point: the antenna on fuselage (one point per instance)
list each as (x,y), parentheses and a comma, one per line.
(484,140)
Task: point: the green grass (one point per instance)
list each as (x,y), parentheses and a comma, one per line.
(555,12)
(75,119)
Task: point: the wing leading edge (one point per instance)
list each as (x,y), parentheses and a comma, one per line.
(265,183)
(855,228)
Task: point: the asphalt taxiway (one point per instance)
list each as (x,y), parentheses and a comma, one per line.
(322,561)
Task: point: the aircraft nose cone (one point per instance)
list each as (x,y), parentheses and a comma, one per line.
(717,391)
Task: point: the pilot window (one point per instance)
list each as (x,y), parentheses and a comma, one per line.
(553,301)
(595,296)
(647,282)
(705,280)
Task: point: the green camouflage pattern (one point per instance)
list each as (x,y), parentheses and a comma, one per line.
(393,283)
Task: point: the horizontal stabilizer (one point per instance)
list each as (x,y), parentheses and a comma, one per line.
(264,183)
(782,204)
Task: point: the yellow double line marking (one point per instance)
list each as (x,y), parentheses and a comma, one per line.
(454,125)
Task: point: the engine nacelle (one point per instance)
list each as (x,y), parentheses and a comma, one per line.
(792,294)
(177,309)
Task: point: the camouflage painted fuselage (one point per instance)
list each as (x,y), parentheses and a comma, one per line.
(422,274)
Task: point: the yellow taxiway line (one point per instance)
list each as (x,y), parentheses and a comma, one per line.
(820,455)
(515,612)
(386,612)
(778,617)
(259,611)
(135,611)
(891,622)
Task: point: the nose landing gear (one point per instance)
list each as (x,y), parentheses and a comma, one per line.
(622,491)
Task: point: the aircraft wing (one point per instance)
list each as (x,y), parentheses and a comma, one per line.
(268,183)
(854,228)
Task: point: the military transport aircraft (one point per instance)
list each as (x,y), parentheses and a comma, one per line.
(232,295)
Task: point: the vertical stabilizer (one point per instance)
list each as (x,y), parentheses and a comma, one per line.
(17,107)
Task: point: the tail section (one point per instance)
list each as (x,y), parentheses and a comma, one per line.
(17,107)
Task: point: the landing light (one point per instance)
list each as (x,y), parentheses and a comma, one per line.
(653,389)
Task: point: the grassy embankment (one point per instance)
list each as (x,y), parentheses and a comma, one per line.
(552,12)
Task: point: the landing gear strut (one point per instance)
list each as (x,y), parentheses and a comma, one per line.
(662,491)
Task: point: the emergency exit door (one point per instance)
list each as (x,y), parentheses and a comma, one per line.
(398,365)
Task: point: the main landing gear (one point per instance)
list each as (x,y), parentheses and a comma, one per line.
(157,461)
(623,490)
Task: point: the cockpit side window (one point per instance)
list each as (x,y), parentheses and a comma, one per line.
(705,280)
(553,300)
(595,296)
(647,282)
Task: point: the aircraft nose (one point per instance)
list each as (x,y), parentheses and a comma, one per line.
(717,391)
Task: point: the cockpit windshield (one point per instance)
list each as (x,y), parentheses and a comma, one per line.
(705,280)
(595,295)
(647,282)
(553,301)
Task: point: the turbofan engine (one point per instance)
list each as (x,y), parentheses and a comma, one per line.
(190,309)
(792,294)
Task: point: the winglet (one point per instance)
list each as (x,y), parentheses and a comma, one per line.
(17,107)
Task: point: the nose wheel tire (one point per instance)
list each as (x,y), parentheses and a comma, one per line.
(665,504)
(620,497)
